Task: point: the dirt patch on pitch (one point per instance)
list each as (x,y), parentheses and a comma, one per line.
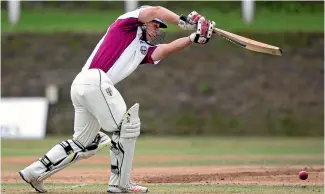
(241,175)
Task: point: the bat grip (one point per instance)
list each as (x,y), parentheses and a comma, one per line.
(183,17)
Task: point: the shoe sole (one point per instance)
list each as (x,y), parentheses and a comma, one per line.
(22,176)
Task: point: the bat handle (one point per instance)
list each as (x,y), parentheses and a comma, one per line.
(183,17)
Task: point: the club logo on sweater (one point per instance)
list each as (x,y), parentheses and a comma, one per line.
(143,50)
(109,91)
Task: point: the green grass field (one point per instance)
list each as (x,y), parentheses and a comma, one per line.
(95,21)
(179,153)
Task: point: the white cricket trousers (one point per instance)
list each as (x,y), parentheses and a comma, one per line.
(97,104)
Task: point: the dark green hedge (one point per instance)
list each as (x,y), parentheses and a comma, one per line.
(287,6)
(215,89)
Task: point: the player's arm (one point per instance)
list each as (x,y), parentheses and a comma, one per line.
(164,50)
(201,36)
(150,13)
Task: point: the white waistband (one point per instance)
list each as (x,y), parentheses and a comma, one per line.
(91,77)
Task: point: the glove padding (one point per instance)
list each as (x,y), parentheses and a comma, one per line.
(189,23)
(204,31)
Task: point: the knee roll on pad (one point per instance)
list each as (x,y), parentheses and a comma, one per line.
(130,125)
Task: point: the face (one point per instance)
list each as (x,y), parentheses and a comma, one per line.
(152,30)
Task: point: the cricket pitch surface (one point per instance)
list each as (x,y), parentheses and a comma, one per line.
(209,174)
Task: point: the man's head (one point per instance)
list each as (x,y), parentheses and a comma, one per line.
(151,32)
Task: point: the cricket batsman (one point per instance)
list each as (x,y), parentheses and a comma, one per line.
(133,39)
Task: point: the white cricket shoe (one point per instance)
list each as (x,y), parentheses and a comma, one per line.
(132,188)
(29,178)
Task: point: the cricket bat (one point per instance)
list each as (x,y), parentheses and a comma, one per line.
(245,42)
(248,43)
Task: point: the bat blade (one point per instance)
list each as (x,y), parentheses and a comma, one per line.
(248,43)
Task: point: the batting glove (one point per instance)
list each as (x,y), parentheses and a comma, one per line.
(190,22)
(204,31)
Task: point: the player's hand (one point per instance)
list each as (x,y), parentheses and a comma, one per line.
(204,31)
(190,22)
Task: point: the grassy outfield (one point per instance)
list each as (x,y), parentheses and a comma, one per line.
(210,151)
(202,146)
(96,21)
(200,152)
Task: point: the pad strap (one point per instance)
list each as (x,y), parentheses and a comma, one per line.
(46,162)
(77,143)
(94,144)
(114,169)
(115,148)
(67,147)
